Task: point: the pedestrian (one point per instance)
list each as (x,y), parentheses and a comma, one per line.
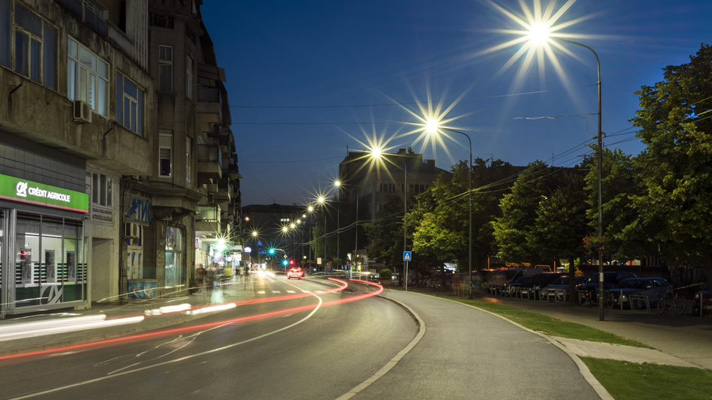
(200,275)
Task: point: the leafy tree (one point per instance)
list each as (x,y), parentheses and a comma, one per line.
(560,222)
(519,210)
(385,234)
(625,234)
(675,123)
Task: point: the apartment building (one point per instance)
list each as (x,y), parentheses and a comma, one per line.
(100,188)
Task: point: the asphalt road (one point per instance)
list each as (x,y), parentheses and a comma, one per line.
(298,341)
(319,350)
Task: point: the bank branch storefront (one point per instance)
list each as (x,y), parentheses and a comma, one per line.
(42,257)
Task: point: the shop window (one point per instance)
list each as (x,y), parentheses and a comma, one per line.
(35,44)
(165,154)
(165,68)
(87,77)
(174,256)
(49,266)
(129,104)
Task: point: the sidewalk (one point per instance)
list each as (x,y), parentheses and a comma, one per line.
(29,333)
(680,339)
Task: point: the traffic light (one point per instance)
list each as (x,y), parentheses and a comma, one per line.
(272,250)
(291,263)
(284,263)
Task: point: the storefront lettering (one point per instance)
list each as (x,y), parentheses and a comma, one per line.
(23,190)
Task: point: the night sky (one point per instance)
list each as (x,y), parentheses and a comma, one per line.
(309,79)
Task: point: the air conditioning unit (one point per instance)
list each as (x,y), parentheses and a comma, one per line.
(81,111)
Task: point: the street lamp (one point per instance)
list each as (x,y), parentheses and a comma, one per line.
(337,185)
(376,153)
(321,200)
(433,127)
(540,35)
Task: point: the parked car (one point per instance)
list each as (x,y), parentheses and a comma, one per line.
(703,299)
(588,290)
(539,281)
(652,288)
(514,288)
(554,289)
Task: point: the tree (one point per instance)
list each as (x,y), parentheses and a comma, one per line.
(385,234)
(560,223)
(675,123)
(519,210)
(626,236)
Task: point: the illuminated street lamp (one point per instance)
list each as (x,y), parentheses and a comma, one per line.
(540,36)
(433,127)
(376,153)
(321,200)
(337,185)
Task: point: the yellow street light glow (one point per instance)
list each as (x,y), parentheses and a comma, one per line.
(292,225)
(337,183)
(255,233)
(310,208)
(321,199)
(431,126)
(285,229)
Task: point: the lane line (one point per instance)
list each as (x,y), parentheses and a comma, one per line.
(181,359)
(395,360)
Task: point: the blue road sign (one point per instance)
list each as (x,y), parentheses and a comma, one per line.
(408,256)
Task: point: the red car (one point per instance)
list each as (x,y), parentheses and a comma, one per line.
(295,272)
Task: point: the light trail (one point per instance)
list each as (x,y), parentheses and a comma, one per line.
(253,318)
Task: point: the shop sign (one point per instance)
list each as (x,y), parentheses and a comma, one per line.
(138,210)
(24,191)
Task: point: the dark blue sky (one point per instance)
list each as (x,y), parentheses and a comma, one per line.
(309,78)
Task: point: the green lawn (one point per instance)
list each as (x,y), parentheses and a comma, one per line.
(548,325)
(623,380)
(631,381)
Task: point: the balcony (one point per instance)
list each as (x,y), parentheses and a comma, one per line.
(210,163)
(208,219)
(209,107)
(224,192)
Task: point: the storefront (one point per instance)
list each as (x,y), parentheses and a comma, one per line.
(42,250)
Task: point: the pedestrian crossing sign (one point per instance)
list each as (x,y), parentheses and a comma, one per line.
(407,256)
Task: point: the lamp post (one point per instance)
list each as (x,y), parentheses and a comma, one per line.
(433,126)
(337,185)
(310,211)
(377,153)
(540,35)
(321,200)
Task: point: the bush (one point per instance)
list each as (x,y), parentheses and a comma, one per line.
(385,274)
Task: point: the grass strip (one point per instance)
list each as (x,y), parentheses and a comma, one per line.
(631,381)
(549,326)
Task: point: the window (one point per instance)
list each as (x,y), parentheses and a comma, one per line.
(188,77)
(165,154)
(129,104)
(89,11)
(101,190)
(188,159)
(35,44)
(165,68)
(87,77)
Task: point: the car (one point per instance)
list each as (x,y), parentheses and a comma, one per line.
(559,288)
(539,281)
(513,290)
(295,272)
(588,290)
(373,278)
(653,289)
(702,299)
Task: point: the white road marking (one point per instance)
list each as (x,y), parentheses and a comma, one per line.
(260,292)
(189,357)
(291,291)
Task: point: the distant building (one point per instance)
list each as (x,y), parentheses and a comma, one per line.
(365,190)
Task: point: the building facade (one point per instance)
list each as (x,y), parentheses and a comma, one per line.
(100,189)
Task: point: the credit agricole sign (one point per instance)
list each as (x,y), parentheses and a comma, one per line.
(25,191)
